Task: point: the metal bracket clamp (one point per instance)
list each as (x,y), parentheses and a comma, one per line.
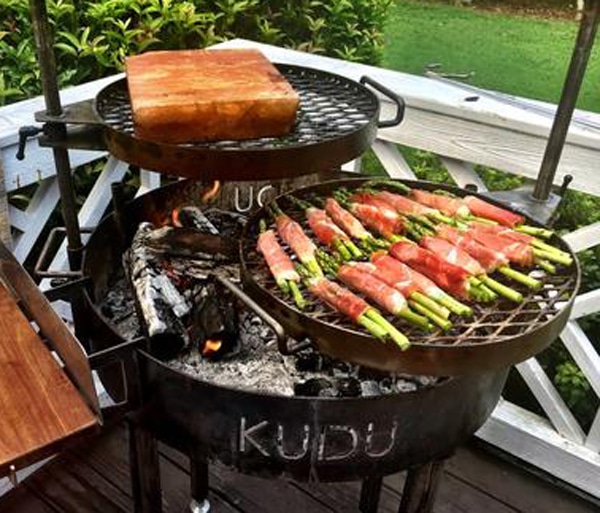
(25,132)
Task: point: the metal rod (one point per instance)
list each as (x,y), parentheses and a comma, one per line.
(56,131)
(581,53)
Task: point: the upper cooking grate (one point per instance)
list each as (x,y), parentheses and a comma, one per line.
(331,107)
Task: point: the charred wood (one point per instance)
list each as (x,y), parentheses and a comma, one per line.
(193,217)
(190,243)
(158,302)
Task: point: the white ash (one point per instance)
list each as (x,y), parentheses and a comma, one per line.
(258,366)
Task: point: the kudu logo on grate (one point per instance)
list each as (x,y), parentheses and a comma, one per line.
(327,442)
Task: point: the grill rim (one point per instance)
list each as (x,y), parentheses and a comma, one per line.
(256,288)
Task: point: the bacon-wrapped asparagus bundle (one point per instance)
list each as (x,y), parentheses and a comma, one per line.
(386,223)
(447,276)
(453,207)
(355,308)
(459,257)
(347,222)
(489,259)
(280,264)
(328,232)
(409,207)
(293,235)
(354,274)
(540,249)
(459,209)
(472,208)
(416,286)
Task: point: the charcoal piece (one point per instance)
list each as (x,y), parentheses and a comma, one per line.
(309,362)
(215,319)
(426,381)
(385,385)
(371,374)
(312,387)
(329,392)
(404,386)
(158,302)
(370,388)
(348,387)
(107,311)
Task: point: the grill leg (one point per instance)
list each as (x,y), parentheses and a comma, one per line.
(199,482)
(145,470)
(369,494)
(420,488)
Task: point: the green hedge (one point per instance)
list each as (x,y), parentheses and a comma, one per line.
(92,38)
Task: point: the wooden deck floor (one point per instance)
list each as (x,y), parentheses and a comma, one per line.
(95,478)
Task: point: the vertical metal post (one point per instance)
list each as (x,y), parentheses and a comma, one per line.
(56,131)
(581,53)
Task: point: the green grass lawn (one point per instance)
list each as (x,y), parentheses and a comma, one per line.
(519,55)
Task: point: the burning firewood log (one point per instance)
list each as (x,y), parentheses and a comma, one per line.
(215,324)
(159,303)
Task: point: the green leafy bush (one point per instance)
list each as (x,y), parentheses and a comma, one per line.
(92,38)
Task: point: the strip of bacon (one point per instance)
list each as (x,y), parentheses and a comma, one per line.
(345,220)
(452,254)
(367,198)
(323,227)
(376,220)
(516,251)
(447,276)
(339,298)
(293,235)
(482,208)
(488,258)
(503,231)
(387,297)
(280,264)
(400,276)
(404,204)
(445,204)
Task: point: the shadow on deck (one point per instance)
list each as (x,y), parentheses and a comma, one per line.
(95,478)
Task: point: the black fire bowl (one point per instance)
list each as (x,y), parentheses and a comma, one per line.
(319,439)
(316,439)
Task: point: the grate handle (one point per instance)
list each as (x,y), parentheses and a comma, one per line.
(394,97)
(256,308)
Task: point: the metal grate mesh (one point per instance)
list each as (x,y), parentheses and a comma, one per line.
(495,322)
(331,106)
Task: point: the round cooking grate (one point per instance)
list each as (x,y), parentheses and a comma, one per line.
(331,107)
(498,334)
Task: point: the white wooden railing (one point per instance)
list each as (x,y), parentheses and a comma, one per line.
(496,130)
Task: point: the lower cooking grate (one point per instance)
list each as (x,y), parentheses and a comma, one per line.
(496,322)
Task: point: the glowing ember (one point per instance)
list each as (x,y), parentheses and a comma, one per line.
(211,347)
(211,192)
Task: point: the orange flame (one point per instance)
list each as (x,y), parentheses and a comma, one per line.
(212,191)
(175,218)
(211,347)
